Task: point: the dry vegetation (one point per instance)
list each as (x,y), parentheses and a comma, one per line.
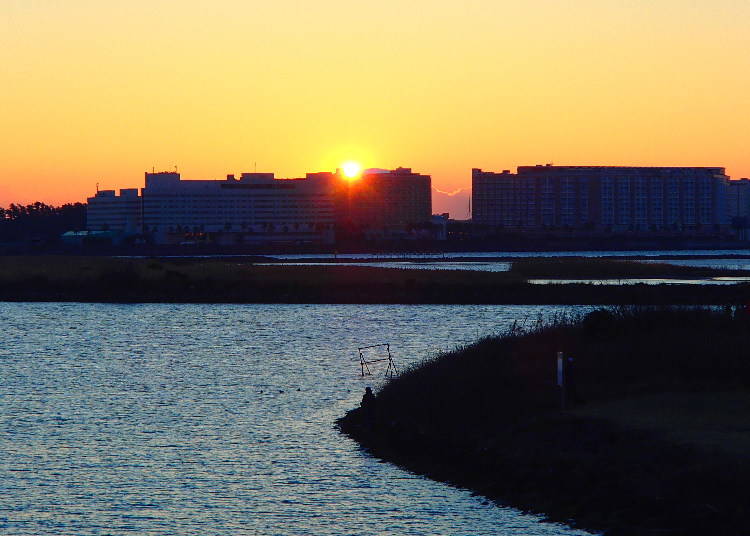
(656,442)
(588,268)
(107,279)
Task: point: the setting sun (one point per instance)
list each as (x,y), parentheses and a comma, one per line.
(351,169)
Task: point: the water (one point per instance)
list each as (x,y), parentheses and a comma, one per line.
(729,263)
(160,419)
(644,281)
(502,266)
(525,254)
(487,261)
(505,266)
(730,259)
(408,265)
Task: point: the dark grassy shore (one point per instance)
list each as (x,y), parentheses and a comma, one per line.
(656,442)
(105,279)
(602,268)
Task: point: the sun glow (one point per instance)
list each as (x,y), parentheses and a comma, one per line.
(351,170)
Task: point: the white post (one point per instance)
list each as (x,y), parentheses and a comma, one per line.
(561,378)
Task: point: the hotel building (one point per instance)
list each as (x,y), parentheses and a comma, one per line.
(603,199)
(381,202)
(256,207)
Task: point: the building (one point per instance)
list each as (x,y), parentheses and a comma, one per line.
(380,202)
(603,199)
(109,212)
(440,226)
(739,198)
(739,207)
(256,207)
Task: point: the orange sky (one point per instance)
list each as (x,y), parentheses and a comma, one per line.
(102,91)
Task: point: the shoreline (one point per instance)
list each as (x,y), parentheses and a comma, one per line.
(281,300)
(521,294)
(517,243)
(416,257)
(660,452)
(117,280)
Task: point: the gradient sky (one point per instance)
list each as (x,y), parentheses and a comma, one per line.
(101,91)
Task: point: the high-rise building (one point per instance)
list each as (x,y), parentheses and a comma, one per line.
(603,198)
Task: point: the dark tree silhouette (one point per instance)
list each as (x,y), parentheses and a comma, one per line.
(39,221)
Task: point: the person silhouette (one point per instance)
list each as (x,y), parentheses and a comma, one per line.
(368,399)
(368,406)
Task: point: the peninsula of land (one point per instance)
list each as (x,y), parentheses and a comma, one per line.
(653,438)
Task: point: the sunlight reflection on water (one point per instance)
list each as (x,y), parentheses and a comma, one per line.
(217,419)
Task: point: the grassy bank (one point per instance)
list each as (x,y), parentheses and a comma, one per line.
(590,268)
(655,444)
(105,279)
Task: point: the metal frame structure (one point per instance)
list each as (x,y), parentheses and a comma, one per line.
(364,363)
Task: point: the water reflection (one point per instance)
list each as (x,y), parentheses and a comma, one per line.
(644,281)
(217,419)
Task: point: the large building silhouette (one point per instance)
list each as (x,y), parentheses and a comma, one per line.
(257,207)
(603,199)
(254,207)
(381,202)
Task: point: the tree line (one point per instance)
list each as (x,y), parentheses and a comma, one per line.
(39,221)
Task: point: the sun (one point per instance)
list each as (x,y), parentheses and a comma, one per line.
(351,170)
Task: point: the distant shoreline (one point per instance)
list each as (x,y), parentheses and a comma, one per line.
(127,280)
(437,258)
(512,243)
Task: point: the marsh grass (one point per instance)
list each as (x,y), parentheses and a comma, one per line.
(61,278)
(617,351)
(588,268)
(85,270)
(652,443)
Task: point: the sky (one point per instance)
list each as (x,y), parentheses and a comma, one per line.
(101,91)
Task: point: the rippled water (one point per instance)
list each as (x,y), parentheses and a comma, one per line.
(217,419)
